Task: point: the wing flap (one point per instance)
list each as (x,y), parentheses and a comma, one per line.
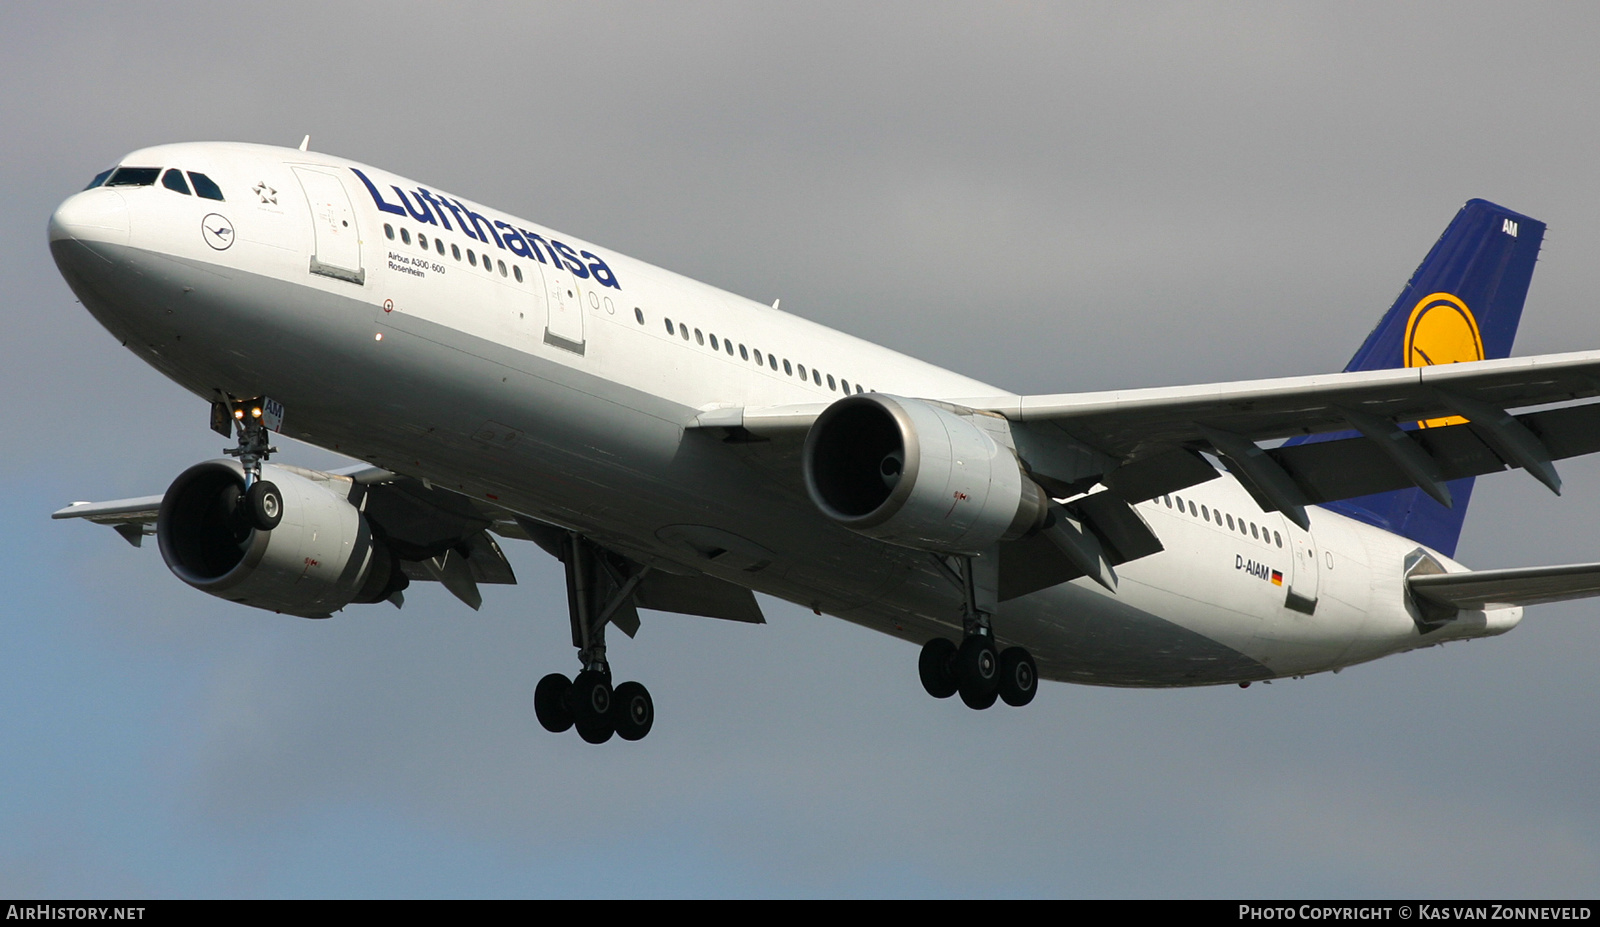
(1480,589)
(1350,467)
(702,595)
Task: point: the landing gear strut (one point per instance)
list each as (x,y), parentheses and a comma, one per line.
(589,702)
(262,505)
(976,669)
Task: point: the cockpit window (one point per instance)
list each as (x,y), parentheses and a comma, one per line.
(134,177)
(173,180)
(100,178)
(205,187)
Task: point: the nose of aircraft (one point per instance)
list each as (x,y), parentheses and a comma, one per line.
(93,215)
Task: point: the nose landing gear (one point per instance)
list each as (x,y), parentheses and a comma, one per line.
(976,669)
(588,702)
(254,420)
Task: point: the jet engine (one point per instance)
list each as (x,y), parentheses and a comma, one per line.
(320,557)
(919,474)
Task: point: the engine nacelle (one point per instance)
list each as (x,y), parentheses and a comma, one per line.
(917,474)
(321,557)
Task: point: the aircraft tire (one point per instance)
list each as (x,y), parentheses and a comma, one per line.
(264,505)
(977,672)
(936,666)
(1019,677)
(596,730)
(632,710)
(550,703)
(591,695)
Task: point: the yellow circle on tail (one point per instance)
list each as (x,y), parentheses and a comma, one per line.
(1442,330)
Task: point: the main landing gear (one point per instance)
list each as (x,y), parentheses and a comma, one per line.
(590,702)
(975,668)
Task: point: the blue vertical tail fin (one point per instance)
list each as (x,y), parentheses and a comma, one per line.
(1463,303)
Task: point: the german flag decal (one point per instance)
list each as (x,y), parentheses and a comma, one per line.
(1277,578)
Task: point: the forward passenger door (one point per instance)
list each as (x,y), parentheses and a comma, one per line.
(336,238)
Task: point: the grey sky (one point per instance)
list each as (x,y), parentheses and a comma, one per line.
(1049,197)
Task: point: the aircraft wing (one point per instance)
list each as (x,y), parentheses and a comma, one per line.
(1125,422)
(445,537)
(1143,443)
(1503,588)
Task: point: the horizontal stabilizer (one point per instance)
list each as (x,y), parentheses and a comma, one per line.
(1481,589)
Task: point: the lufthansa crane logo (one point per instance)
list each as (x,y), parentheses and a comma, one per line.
(217,231)
(1442,330)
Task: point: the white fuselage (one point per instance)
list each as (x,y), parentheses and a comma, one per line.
(560,386)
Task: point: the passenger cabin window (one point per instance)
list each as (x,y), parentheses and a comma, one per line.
(173,180)
(669,326)
(727,346)
(472,257)
(517,272)
(405,235)
(787,368)
(698,337)
(455,252)
(501,266)
(438,245)
(134,177)
(744,354)
(388,231)
(100,178)
(714,345)
(816,376)
(637,312)
(205,187)
(422,240)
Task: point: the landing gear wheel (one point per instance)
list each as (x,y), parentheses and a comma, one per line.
(936,666)
(590,701)
(550,703)
(596,731)
(977,672)
(632,711)
(1019,677)
(263,505)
